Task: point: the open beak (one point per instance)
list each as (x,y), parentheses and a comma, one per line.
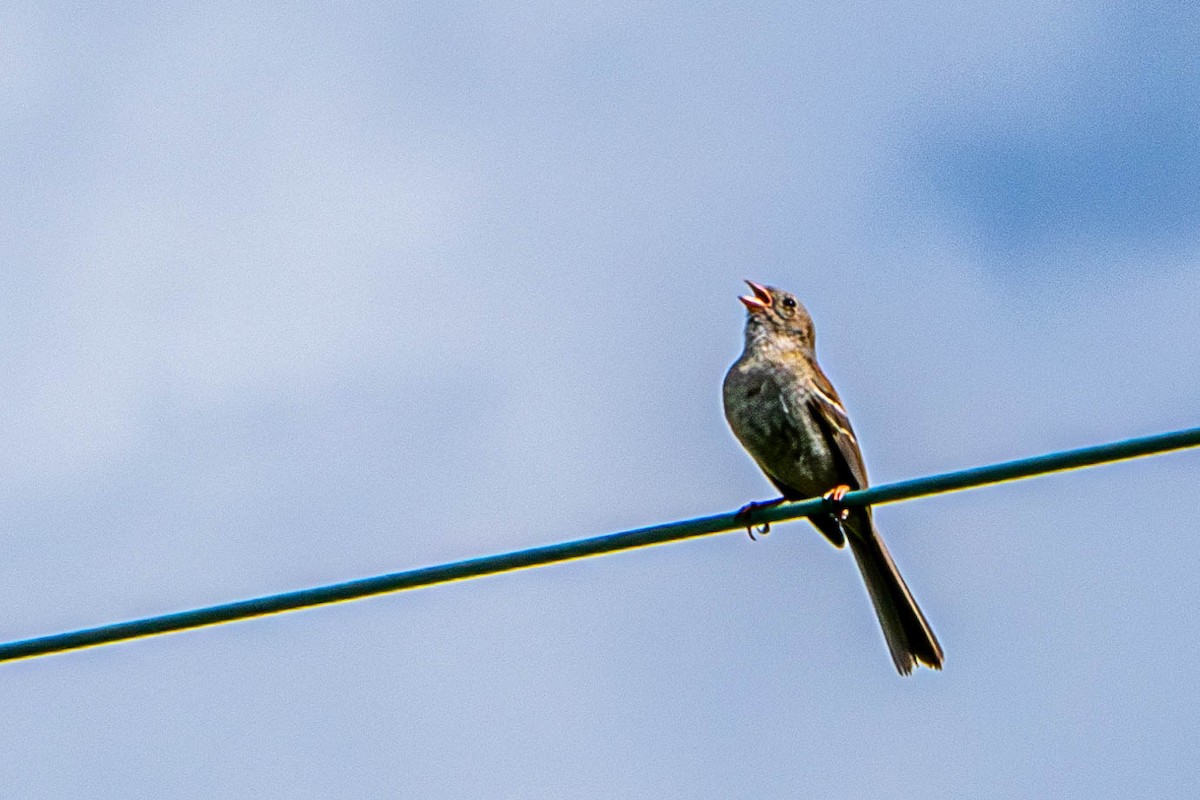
(761,300)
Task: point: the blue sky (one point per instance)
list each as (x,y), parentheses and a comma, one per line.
(298,296)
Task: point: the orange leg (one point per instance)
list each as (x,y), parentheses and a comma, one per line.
(834,498)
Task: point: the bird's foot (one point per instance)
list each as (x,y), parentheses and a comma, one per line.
(745,511)
(834,498)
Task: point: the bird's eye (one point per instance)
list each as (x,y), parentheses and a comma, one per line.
(789,302)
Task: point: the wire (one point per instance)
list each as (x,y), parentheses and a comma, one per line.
(582,548)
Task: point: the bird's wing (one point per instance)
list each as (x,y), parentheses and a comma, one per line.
(826,407)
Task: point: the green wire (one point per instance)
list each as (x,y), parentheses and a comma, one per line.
(582,548)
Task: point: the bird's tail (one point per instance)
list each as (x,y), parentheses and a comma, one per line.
(908,634)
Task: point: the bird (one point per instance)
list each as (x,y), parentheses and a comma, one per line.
(790,419)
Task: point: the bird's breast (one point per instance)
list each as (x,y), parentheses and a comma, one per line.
(768,413)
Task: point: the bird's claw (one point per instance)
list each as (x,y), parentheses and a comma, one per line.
(834,498)
(745,511)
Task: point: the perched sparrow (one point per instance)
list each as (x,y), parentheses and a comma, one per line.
(788,416)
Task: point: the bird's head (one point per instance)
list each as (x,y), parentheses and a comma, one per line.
(777,317)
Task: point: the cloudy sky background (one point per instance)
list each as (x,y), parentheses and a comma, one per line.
(294,296)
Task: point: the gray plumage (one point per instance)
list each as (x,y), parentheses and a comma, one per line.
(788,416)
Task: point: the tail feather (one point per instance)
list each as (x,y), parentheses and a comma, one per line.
(909,637)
